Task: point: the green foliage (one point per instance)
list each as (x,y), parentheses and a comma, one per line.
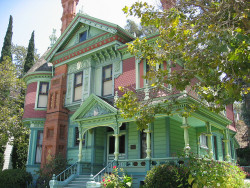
(19,55)
(6,49)
(245,110)
(15,178)
(167,176)
(29,60)
(139,30)
(10,102)
(20,151)
(209,39)
(196,173)
(55,165)
(210,173)
(116,179)
(243,155)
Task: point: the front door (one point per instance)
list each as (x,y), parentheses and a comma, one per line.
(111,147)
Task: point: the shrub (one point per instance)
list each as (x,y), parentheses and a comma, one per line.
(55,165)
(196,173)
(15,178)
(210,173)
(167,176)
(116,179)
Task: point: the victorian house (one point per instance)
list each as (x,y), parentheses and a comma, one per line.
(69,107)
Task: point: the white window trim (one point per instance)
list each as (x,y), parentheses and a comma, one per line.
(37,96)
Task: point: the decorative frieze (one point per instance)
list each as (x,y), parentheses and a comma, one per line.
(97,110)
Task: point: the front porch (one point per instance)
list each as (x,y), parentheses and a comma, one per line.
(113,141)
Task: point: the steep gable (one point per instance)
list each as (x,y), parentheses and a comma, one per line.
(94,28)
(93,107)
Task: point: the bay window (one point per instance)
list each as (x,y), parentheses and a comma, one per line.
(107,80)
(78,86)
(43,95)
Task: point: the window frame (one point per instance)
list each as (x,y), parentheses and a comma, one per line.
(76,137)
(39,93)
(107,79)
(86,31)
(203,141)
(77,85)
(38,145)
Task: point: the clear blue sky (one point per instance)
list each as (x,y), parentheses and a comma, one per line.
(44,15)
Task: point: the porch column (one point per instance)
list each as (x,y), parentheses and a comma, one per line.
(209,140)
(116,153)
(81,133)
(226,142)
(186,136)
(199,146)
(148,150)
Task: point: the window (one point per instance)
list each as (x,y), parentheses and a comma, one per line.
(39,142)
(203,140)
(83,36)
(215,148)
(77,137)
(43,95)
(78,86)
(112,144)
(107,80)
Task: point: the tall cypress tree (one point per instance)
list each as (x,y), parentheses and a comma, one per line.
(6,49)
(29,60)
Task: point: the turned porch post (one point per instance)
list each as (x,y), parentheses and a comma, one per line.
(116,153)
(148,150)
(116,135)
(186,136)
(226,142)
(209,140)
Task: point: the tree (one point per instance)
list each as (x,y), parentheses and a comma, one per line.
(29,60)
(138,30)
(6,49)
(209,39)
(10,101)
(19,55)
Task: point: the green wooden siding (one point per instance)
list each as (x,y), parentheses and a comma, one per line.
(160,139)
(133,139)
(92,32)
(176,138)
(177,143)
(100,134)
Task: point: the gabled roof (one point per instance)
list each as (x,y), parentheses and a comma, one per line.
(93,107)
(91,21)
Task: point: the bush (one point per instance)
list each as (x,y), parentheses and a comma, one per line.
(243,155)
(210,173)
(167,176)
(15,178)
(195,173)
(116,179)
(56,165)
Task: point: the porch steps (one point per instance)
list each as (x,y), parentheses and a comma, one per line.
(79,182)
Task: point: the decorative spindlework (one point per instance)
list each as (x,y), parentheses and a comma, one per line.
(80,65)
(97,110)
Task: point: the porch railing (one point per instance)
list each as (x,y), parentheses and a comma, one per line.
(66,173)
(107,169)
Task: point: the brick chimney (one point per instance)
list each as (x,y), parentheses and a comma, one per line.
(167,4)
(69,12)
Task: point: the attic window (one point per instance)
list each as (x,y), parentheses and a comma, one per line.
(83,36)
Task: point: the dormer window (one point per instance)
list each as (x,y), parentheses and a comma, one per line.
(83,36)
(78,86)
